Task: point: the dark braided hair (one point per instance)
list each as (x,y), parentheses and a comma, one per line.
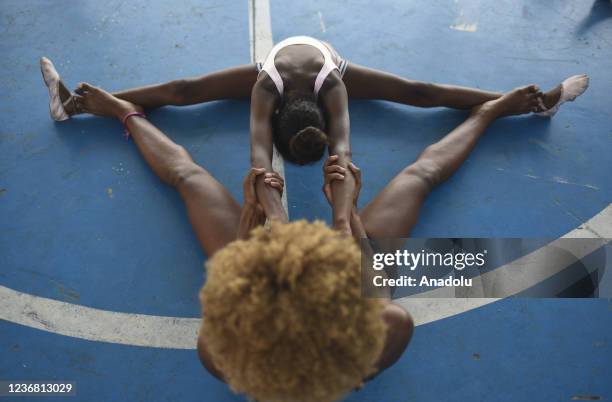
(298,129)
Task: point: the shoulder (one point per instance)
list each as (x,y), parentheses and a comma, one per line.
(333,95)
(333,89)
(264,86)
(264,95)
(333,84)
(206,359)
(396,317)
(400,327)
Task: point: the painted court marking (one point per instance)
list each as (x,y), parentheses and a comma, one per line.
(181,333)
(428,310)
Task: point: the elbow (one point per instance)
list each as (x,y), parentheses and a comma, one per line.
(425,94)
(427,170)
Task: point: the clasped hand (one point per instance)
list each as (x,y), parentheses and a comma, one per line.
(271,179)
(333,171)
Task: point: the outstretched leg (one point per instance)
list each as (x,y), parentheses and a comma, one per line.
(394,211)
(367,83)
(230,83)
(213,212)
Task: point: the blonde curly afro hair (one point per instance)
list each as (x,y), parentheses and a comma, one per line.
(284,319)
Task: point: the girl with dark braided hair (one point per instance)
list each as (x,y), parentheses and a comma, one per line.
(299,130)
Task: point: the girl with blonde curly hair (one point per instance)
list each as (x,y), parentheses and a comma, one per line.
(283,314)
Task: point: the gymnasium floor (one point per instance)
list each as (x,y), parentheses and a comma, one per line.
(88,229)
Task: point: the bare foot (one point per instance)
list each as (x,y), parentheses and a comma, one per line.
(520,100)
(94,100)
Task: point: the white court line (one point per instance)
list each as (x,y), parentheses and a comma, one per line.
(525,272)
(97,325)
(181,333)
(260,37)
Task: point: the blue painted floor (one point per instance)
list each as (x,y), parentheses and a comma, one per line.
(84,220)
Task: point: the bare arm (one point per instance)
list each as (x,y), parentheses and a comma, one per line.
(250,217)
(335,101)
(399,322)
(252,214)
(263,104)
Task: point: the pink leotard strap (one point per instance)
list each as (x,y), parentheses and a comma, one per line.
(126,133)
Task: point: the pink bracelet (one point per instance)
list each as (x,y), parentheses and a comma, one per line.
(126,133)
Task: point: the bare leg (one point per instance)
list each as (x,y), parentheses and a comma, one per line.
(230,83)
(213,212)
(367,83)
(394,211)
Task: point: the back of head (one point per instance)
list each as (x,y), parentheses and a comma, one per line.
(298,129)
(284,318)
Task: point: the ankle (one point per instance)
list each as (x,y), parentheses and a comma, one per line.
(551,97)
(487,110)
(70,106)
(123,108)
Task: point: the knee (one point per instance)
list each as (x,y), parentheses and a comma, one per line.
(425,170)
(182,172)
(425,94)
(180,89)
